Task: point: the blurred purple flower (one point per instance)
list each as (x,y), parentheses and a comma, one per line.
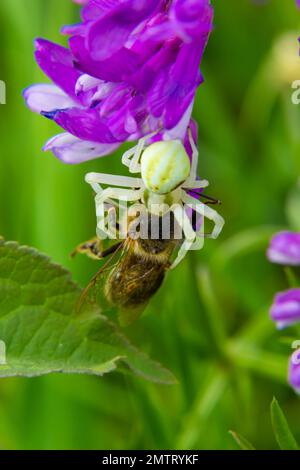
(285,310)
(132,68)
(284,248)
(294,371)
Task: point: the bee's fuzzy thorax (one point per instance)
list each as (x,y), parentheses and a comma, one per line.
(156,251)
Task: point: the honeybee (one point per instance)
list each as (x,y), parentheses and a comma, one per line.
(136,266)
(128,283)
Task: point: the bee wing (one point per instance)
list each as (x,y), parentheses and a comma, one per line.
(95,287)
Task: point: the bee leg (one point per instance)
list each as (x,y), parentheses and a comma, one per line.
(112,249)
(92,248)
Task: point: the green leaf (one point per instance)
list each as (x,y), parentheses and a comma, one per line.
(241,441)
(44,334)
(283,434)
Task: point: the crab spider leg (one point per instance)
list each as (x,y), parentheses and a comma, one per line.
(107,230)
(107,194)
(185,247)
(183,220)
(132,157)
(195,155)
(115,193)
(190,235)
(206,211)
(95,179)
(196,184)
(121,194)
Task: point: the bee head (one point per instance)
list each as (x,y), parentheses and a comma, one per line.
(164,166)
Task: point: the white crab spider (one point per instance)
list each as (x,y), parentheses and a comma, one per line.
(166,177)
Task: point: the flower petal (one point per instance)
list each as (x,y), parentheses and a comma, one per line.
(97,8)
(285,310)
(83,123)
(163,58)
(46,98)
(173,91)
(121,64)
(57,63)
(180,130)
(191,19)
(72,150)
(284,248)
(108,35)
(294,371)
(86,83)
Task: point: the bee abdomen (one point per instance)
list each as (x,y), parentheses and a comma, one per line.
(132,286)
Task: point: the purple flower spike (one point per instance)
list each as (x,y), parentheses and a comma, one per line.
(285,310)
(131,69)
(294,371)
(285,248)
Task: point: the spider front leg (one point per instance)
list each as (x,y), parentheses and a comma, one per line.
(121,194)
(106,196)
(96,179)
(132,157)
(206,211)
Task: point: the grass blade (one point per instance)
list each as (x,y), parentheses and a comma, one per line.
(283,434)
(241,441)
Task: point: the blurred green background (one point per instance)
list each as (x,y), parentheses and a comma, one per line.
(209,323)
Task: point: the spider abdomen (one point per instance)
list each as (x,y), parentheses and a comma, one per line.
(164,166)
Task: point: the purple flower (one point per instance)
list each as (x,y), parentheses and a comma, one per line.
(132,68)
(285,248)
(285,310)
(294,371)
